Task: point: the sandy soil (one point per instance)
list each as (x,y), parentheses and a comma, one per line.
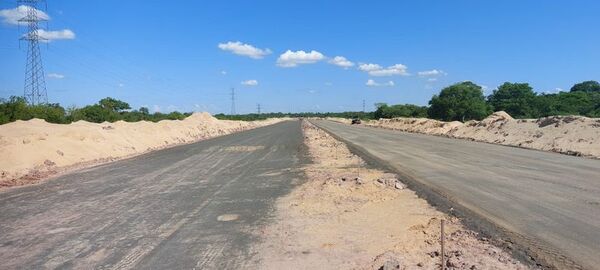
(347,216)
(33,150)
(572,135)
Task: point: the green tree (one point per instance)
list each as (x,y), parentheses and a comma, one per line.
(15,108)
(587,86)
(52,113)
(459,102)
(400,110)
(569,103)
(144,111)
(114,105)
(514,98)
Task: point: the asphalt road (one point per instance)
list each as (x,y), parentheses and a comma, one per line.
(551,201)
(170,209)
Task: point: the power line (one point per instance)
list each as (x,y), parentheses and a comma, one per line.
(35,83)
(232,101)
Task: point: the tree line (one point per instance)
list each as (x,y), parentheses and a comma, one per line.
(458,102)
(465,101)
(106,110)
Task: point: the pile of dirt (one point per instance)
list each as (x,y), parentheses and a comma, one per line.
(34,149)
(347,216)
(572,135)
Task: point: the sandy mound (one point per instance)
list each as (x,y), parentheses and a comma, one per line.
(573,135)
(34,149)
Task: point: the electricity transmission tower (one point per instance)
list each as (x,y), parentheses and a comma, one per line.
(232,101)
(35,83)
(258,108)
(363,106)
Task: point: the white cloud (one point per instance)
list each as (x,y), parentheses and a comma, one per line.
(341,61)
(328,83)
(121,85)
(432,73)
(369,67)
(293,59)
(223,72)
(240,48)
(12,16)
(379,71)
(156,108)
(250,83)
(373,83)
(432,79)
(558,89)
(48,36)
(55,76)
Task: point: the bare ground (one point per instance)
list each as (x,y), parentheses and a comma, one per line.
(347,216)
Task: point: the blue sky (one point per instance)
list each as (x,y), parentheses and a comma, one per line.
(166,55)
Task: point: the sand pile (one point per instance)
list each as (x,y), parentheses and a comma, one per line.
(339,120)
(34,149)
(347,216)
(573,135)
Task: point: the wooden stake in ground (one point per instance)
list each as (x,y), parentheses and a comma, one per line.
(442,245)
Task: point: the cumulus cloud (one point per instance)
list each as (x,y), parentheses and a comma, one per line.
(55,76)
(243,49)
(293,59)
(341,61)
(250,83)
(373,83)
(432,73)
(223,72)
(12,16)
(379,71)
(369,67)
(49,36)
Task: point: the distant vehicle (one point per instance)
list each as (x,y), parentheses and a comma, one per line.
(356,121)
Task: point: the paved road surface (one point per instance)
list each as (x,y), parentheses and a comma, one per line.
(156,211)
(553,198)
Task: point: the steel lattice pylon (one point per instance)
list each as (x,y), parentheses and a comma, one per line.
(35,83)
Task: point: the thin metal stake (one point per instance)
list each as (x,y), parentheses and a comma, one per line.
(442,243)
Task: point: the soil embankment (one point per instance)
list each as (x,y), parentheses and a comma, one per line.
(33,150)
(572,135)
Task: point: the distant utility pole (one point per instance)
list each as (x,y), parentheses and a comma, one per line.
(232,101)
(258,108)
(35,83)
(364,106)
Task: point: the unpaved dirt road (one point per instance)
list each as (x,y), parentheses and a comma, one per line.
(552,201)
(189,207)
